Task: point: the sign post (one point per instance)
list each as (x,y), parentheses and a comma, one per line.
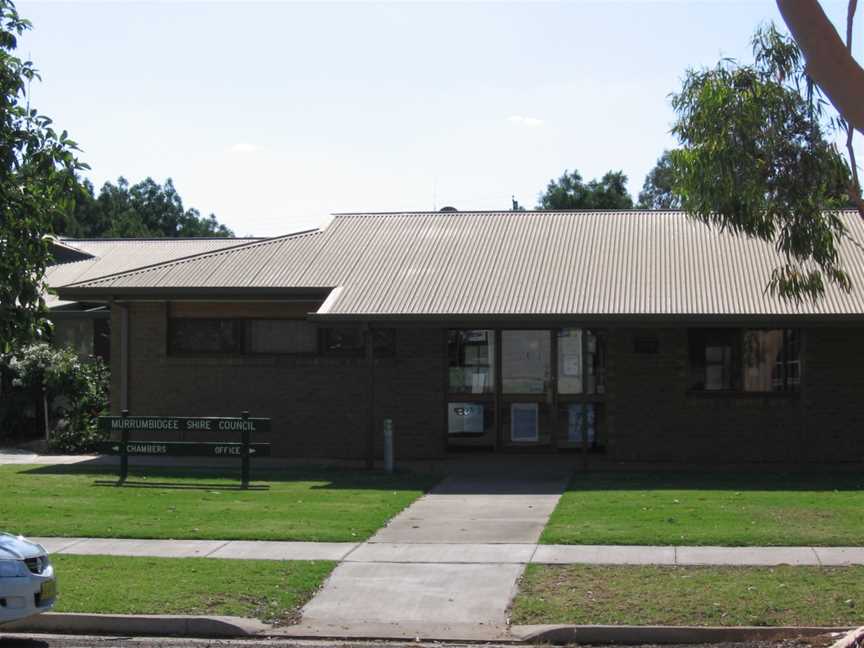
(244,456)
(124,455)
(244,450)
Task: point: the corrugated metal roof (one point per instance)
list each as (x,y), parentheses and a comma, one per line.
(111,256)
(510,263)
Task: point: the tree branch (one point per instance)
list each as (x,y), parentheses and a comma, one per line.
(855,190)
(829,62)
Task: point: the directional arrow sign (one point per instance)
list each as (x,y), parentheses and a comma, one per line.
(184,449)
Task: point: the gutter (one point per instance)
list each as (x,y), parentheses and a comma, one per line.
(72,293)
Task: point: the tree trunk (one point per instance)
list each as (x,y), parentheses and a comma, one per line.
(829,63)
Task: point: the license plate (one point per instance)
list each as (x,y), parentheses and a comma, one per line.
(49,590)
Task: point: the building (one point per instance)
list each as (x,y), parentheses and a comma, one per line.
(85,326)
(635,336)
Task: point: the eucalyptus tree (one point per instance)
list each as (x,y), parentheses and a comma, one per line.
(758,157)
(37,181)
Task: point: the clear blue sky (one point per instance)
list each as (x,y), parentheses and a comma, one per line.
(274,115)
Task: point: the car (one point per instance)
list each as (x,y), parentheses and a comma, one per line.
(27,582)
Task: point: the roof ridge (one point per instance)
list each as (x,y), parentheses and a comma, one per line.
(192,257)
(550,212)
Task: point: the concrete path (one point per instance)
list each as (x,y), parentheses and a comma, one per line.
(454,555)
(458,554)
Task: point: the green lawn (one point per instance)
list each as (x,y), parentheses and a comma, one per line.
(713,596)
(315,504)
(710,509)
(270,590)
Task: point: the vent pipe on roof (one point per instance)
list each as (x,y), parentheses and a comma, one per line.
(448,209)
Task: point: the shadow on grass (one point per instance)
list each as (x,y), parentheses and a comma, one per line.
(342,478)
(175,477)
(177,486)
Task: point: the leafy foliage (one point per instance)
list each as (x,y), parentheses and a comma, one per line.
(145,209)
(756,159)
(76,391)
(37,180)
(570,192)
(657,191)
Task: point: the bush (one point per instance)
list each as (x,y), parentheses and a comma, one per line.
(76,392)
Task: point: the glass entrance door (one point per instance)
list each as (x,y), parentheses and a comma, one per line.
(526,388)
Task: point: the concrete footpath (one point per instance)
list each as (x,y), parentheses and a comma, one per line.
(457,553)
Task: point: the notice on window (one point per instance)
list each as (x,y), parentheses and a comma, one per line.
(465,418)
(523,422)
(580,417)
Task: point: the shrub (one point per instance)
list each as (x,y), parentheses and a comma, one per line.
(76,392)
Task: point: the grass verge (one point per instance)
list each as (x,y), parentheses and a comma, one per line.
(311,504)
(269,590)
(719,509)
(702,596)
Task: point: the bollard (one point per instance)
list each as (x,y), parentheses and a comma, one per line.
(388,445)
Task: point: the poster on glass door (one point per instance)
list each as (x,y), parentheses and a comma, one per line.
(580,416)
(465,418)
(523,422)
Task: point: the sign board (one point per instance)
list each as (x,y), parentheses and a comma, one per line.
(182,449)
(121,426)
(182,424)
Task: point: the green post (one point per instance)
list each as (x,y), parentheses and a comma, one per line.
(244,452)
(124,456)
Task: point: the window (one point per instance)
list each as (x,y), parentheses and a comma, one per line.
(754,360)
(350,341)
(771,360)
(711,359)
(194,335)
(471,361)
(280,336)
(526,362)
(232,335)
(570,362)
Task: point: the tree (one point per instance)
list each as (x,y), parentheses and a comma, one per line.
(657,192)
(756,158)
(570,192)
(37,179)
(145,209)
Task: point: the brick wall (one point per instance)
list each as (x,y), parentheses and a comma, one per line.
(318,404)
(652,417)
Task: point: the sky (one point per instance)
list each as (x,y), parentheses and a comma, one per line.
(274,115)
